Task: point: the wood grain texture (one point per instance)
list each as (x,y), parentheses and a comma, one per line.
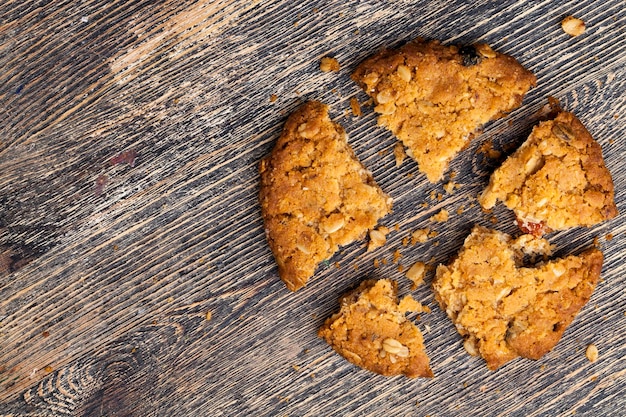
(108,268)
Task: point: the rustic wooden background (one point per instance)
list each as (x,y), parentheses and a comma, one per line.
(130,132)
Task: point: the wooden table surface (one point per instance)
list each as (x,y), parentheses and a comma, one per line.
(130,133)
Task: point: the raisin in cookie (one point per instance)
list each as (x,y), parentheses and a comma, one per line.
(434,98)
(504,310)
(315,194)
(372,332)
(556,180)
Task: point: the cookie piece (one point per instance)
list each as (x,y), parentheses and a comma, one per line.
(504,310)
(315,194)
(371,331)
(435,98)
(556,180)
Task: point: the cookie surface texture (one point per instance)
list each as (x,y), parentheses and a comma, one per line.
(372,332)
(315,194)
(556,180)
(504,310)
(435,98)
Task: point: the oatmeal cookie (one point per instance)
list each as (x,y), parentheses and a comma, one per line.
(315,194)
(435,98)
(372,332)
(505,310)
(556,180)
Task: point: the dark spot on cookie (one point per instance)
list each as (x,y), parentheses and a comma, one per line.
(470,56)
(562,132)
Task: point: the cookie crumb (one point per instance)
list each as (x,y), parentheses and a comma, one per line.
(487,150)
(378,238)
(399,153)
(592,353)
(609,236)
(356,107)
(573,26)
(208,316)
(328,64)
(396,256)
(460,210)
(273,98)
(449,187)
(440,217)
(416,274)
(419,236)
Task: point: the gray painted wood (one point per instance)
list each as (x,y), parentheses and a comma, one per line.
(107,270)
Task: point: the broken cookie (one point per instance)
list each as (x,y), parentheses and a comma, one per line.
(372,332)
(505,310)
(315,194)
(435,98)
(556,180)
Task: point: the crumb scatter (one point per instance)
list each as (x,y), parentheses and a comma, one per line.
(441,217)
(573,26)
(328,64)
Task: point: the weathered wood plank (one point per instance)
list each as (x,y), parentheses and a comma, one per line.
(109,315)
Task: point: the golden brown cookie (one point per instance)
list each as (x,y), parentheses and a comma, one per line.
(504,310)
(556,180)
(371,331)
(435,98)
(315,194)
